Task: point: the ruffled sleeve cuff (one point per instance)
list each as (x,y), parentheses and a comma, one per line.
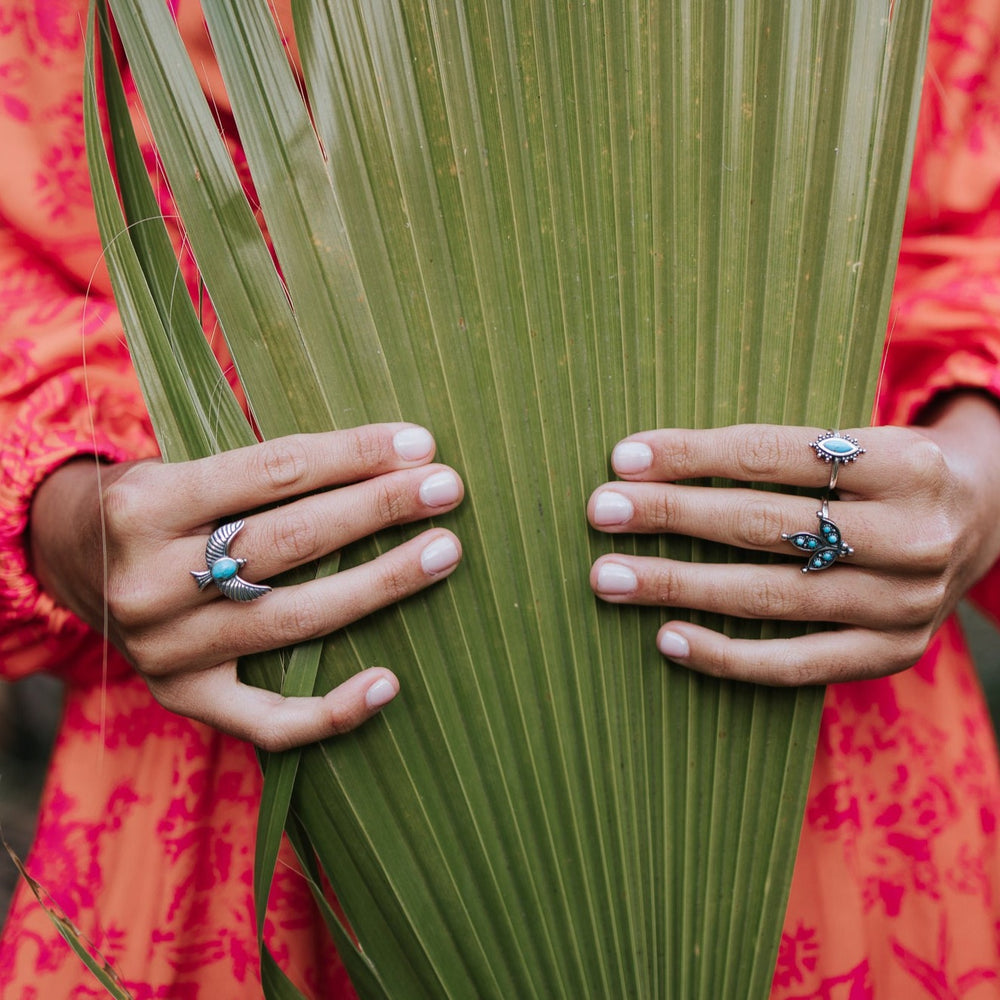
(60,421)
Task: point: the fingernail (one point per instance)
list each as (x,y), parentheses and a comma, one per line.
(614,578)
(413,443)
(631,457)
(440,489)
(380,693)
(440,555)
(612,508)
(673,645)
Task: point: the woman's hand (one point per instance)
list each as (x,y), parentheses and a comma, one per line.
(117,544)
(921,510)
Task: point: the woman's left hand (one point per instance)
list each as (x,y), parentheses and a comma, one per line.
(920,509)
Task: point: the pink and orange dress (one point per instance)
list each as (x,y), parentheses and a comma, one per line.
(145,837)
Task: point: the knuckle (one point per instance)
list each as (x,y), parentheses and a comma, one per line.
(667,588)
(295,538)
(909,649)
(389,503)
(795,674)
(934,547)
(281,464)
(924,460)
(759,455)
(920,603)
(125,504)
(756,523)
(148,656)
(677,456)
(394,582)
(367,447)
(129,604)
(659,513)
(271,738)
(304,619)
(762,597)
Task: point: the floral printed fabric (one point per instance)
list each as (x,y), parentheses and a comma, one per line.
(146,832)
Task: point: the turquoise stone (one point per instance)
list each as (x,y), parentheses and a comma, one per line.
(224,568)
(838,447)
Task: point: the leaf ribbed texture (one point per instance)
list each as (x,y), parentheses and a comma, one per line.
(537,228)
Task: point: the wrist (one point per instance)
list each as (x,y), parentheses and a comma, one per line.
(965,425)
(64,536)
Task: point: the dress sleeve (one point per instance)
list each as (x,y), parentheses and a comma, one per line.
(944,330)
(66,389)
(66,385)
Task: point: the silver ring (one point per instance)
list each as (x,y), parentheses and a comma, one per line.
(223,570)
(823,549)
(836,449)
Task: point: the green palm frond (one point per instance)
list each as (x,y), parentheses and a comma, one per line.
(534,228)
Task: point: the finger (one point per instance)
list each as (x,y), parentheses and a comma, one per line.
(819,658)
(246,478)
(747,519)
(766,453)
(223,630)
(218,698)
(774,592)
(304,530)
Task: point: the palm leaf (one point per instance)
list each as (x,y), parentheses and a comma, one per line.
(537,228)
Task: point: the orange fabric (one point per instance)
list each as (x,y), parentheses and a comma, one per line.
(146,829)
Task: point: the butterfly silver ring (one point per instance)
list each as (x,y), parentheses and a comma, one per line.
(836,449)
(824,548)
(223,570)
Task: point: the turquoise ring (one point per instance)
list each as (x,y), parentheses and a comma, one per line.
(223,570)
(836,449)
(823,548)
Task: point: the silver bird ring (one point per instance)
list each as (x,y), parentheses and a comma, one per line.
(223,570)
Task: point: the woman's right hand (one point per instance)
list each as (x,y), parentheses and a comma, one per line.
(117,543)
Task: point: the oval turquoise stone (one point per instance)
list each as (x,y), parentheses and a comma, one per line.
(224,568)
(838,447)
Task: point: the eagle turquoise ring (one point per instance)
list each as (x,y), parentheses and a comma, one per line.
(224,570)
(823,549)
(836,449)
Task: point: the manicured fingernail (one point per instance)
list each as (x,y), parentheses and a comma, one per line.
(440,555)
(612,508)
(614,578)
(673,645)
(413,443)
(380,693)
(440,489)
(630,457)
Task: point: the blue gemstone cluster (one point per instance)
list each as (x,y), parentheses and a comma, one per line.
(825,548)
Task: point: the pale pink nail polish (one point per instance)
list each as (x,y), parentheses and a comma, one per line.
(614,578)
(612,508)
(439,555)
(440,489)
(631,457)
(380,693)
(413,443)
(673,645)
